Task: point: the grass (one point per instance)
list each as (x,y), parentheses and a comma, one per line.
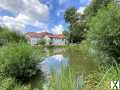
(98,80)
(101,80)
(65,80)
(95,80)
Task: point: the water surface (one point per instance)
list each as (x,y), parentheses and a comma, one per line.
(55,58)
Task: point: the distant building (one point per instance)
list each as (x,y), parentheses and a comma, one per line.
(50,39)
(117,1)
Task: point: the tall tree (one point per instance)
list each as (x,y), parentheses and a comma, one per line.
(77,26)
(70,15)
(95,5)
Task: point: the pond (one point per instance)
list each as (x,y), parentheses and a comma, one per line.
(67,57)
(53,64)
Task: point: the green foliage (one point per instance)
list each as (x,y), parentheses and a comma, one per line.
(95,5)
(77,32)
(104,33)
(7,36)
(70,15)
(18,61)
(22,87)
(101,79)
(9,83)
(77,25)
(66,81)
(41,42)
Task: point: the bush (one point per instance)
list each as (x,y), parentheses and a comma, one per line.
(9,83)
(41,42)
(7,36)
(19,61)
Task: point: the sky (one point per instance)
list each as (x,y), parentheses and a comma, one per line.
(37,15)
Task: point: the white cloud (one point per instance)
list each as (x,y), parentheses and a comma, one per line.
(12,5)
(31,8)
(27,12)
(41,26)
(11,23)
(81,10)
(58,29)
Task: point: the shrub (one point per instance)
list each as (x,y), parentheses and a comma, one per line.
(7,83)
(41,42)
(7,36)
(19,61)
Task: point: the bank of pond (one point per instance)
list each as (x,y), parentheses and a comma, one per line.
(58,68)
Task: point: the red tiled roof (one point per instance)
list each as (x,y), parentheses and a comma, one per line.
(56,36)
(36,34)
(42,34)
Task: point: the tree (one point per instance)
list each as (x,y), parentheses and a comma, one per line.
(70,15)
(104,33)
(77,25)
(67,35)
(77,32)
(95,5)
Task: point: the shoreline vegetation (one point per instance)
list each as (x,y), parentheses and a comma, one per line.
(98,32)
(99,41)
(18,61)
(93,81)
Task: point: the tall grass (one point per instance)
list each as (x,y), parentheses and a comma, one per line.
(66,80)
(101,80)
(95,80)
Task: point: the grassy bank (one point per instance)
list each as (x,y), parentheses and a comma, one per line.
(95,80)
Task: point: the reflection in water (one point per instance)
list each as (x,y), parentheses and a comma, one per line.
(76,60)
(53,64)
(47,52)
(58,50)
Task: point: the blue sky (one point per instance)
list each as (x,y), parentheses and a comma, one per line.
(37,15)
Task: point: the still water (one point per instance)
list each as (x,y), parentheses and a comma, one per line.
(73,58)
(53,64)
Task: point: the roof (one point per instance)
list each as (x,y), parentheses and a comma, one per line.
(56,36)
(42,34)
(37,34)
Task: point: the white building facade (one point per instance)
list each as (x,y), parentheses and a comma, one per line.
(50,39)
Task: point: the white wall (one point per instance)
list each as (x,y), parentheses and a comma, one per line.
(58,41)
(33,40)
